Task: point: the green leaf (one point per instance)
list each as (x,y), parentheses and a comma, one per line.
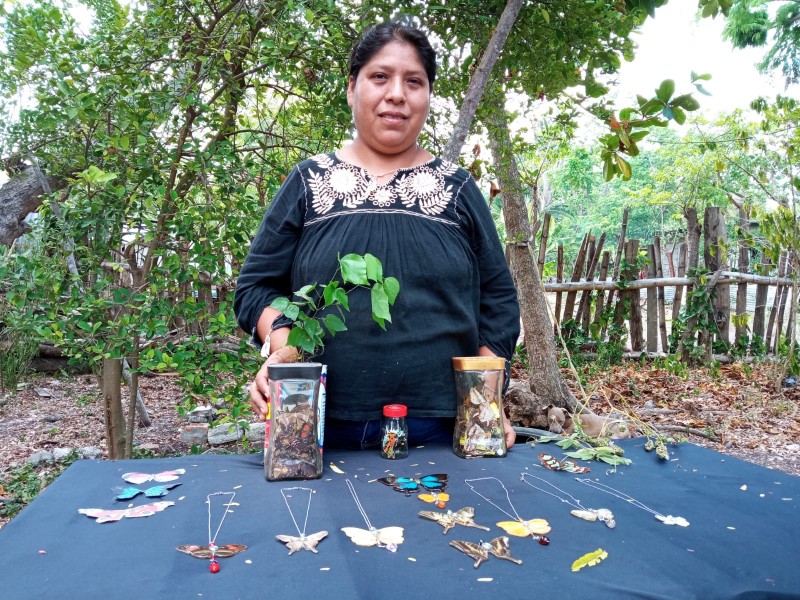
(329,293)
(392,288)
(624,167)
(374,268)
(680,116)
(340,296)
(651,107)
(668,112)
(333,324)
(354,269)
(305,291)
(380,303)
(280,304)
(686,102)
(665,90)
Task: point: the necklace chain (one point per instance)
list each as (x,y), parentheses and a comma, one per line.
(575,502)
(617,494)
(358,504)
(516,516)
(212,541)
(302,533)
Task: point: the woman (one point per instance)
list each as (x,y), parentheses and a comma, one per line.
(430,227)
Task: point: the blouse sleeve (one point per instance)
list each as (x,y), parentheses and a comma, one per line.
(266,273)
(499,324)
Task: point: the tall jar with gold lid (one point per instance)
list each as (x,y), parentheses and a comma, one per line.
(479,428)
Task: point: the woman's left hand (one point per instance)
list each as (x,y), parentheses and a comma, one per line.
(511,435)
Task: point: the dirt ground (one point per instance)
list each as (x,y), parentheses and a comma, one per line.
(737,410)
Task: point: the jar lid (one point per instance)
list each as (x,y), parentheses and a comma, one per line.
(479,363)
(395,410)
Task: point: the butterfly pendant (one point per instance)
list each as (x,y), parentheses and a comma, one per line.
(535,528)
(304,542)
(156,491)
(498,547)
(205,551)
(670,520)
(552,463)
(109,516)
(438,498)
(596,514)
(388,537)
(463,516)
(411,485)
(139,478)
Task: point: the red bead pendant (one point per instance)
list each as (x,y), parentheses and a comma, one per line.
(542,539)
(214,567)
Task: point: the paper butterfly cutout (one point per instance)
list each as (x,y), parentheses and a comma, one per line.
(590,559)
(205,552)
(535,528)
(139,478)
(109,516)
(304,542)
(450,519)
(438,498)
(498,547)
(552,463)
(388,537)
(157,491)
(411,485)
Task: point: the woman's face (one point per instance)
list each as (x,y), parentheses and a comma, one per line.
(390,99)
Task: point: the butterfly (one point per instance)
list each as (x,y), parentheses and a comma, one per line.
(108,516)
(450,519)
(205,552)
(552,463)
(438,498)
(139,478)
(155,491)
(498,547)
(304,542)
(411,485)
(388,537)
(535,528)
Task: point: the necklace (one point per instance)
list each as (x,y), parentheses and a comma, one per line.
(666,519)
(535,528)
(388,537)
(588,514)
(302,542)
(212,541)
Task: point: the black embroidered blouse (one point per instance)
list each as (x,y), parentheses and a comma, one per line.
(431,228)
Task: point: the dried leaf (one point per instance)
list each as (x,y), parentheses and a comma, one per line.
(590,559)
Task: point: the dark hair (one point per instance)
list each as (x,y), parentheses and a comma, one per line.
(377,37)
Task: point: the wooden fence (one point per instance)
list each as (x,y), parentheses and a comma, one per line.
(750,310)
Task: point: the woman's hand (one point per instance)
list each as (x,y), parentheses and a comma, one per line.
(511,435)
(259,389)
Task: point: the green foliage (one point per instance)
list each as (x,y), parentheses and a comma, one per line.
(22,484)
(312,312)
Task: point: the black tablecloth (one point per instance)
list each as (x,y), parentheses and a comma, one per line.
(742,541)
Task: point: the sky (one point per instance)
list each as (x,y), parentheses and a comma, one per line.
(676,43)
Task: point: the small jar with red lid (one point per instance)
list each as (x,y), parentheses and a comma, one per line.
(394,431)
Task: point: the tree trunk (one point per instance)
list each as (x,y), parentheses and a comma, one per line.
(114,417)
(715,257)
(480,78)
(546,381)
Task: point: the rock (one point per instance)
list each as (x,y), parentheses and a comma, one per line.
(202,414)
(60,454)
(40,458)
(255,432)
(149,448)
(90,453)
(43,392)
(195,433)
(51,418)
(223,434)
(793,447)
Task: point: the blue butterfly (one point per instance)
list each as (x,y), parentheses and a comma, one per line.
(152,492)
(411,485)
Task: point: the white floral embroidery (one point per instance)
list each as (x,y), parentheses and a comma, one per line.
(425,187)
(421,187)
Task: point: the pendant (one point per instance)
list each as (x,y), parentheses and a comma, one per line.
(412,485)
(463,516)
(498,547)
(596,514)
(387,537)
(438,498)
(670,520)
(304,542)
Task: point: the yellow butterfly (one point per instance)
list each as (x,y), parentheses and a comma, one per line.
(388,537)
(521,528)
(438,498)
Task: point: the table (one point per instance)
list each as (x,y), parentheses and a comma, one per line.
(743,540)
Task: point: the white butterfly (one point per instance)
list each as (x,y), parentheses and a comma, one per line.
(304,542)
(388,537)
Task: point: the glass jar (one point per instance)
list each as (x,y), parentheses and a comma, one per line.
(479,427)
(293,441)
(394,431)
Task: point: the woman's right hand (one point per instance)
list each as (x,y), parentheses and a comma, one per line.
(259,389)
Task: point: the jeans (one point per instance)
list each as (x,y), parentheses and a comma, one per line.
(366,435)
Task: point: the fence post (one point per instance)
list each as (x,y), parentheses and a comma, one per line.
(715,258)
